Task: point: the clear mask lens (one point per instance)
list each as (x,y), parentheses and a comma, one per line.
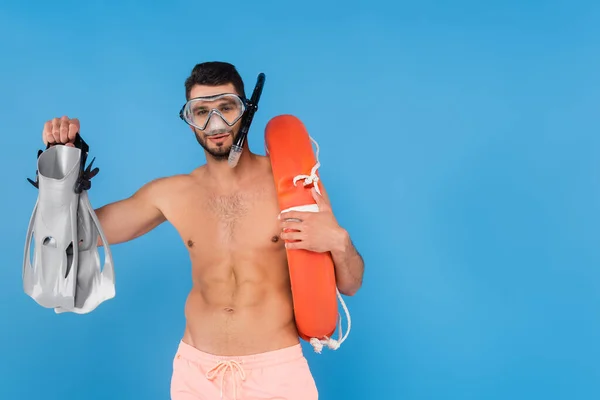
(198,112)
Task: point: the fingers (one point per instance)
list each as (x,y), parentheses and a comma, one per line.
(73,129)
(290,224)
(47,133)
(295,215)
(63,129)
(55,130)
(291,230)
(318,198)
(292,236)
(322,201)
(60,130)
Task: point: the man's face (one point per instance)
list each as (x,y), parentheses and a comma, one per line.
(217,145)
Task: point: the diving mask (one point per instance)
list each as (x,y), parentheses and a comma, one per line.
(202,112)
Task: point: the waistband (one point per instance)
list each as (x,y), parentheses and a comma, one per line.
(269,358)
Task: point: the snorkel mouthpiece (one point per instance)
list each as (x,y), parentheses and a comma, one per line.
(237,147)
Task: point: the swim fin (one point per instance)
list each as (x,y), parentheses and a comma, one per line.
(65,273)
(94,285)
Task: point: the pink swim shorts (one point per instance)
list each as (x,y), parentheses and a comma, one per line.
(276,375)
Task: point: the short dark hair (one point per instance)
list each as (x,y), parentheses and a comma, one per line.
(214,73)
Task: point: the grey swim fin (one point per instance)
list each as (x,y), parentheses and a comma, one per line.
(94,285)
(65,273)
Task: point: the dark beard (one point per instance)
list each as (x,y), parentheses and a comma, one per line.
(219,154)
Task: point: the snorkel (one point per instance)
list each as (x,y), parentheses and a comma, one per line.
(237,147)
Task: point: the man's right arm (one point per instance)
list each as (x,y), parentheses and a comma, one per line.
(130,218)
(123,220)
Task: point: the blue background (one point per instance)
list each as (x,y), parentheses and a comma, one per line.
(459,143)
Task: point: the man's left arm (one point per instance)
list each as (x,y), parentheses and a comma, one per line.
(320,232)
(349,264)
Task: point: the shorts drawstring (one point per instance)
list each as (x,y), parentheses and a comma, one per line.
(224,366)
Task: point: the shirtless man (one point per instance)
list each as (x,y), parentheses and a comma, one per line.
(240,340)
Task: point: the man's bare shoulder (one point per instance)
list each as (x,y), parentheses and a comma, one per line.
(159,187)
(264,162)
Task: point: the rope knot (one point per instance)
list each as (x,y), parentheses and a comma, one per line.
(317,345)
(313,178)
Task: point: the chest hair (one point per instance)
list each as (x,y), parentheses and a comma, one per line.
(230,209)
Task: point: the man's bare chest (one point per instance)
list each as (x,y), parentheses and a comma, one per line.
(244,218)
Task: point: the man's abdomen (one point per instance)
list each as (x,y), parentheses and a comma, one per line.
(239,318)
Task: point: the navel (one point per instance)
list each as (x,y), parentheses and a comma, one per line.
(190,243)
(275,239)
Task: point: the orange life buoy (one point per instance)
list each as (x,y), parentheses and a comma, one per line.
(312,275)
